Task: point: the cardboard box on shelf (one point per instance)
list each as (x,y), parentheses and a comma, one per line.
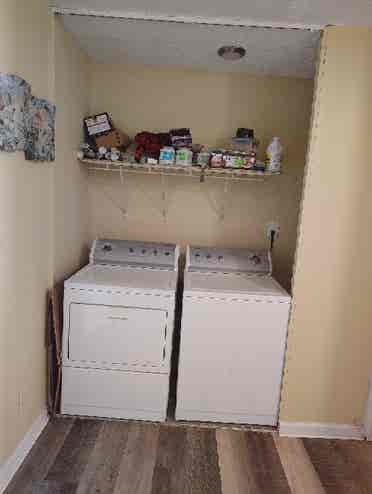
(114,139)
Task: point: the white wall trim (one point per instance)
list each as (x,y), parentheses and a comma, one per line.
(11,465)
(320,430)
(214,21)
(367,420)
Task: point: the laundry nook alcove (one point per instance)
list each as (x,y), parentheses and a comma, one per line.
(184,242)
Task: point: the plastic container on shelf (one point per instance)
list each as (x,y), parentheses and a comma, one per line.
(203,158)
(167,156)
(184,157)
(274,155)
(246,144)
(217,158)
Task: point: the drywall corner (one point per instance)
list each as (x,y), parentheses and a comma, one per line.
(71,213)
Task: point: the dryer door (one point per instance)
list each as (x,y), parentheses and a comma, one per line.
(104,336)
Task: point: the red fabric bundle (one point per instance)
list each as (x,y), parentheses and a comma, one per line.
(150,144)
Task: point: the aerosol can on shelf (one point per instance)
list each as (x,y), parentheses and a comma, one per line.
(274,155)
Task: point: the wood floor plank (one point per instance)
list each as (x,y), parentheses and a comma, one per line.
(74,455)
(264,464)
(337,473)
(187,462)
(359,454)
(202,473)
(250,464)
(231,454)
(300,472)
(138,460)
(41,457)
(169,464)
(103,466)
(53,487)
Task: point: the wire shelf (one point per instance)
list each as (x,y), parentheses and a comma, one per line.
(174,170)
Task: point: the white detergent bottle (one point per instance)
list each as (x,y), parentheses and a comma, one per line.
(274,155)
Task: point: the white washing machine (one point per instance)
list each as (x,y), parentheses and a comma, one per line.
(233,338)
(118,327)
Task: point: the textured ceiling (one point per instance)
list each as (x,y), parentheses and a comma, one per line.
(277,52)
(270,12)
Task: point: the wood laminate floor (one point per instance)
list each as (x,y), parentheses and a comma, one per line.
(77,456)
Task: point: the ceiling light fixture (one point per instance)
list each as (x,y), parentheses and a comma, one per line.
(231,52)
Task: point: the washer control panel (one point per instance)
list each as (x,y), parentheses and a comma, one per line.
(228,260)
(134,253)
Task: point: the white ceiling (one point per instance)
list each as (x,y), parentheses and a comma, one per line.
(278,52)
(268,12)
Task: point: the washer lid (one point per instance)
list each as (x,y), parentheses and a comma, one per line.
(213,259)
(133,253)
(96,276)
(233,285)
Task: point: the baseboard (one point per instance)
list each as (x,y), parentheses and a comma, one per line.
(320,430)
(11,465)
(367,420)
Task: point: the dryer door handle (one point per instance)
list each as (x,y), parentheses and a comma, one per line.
(118,318)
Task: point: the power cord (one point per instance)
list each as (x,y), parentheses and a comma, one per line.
(272,239)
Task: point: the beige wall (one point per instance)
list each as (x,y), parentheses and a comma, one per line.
(330,345)
(43,216)
(25,233)
(213,105)
(44,209)
(70,178)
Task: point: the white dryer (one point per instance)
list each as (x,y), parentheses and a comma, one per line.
(118,327)
(233,338)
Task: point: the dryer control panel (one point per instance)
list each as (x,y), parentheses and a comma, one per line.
(228,260)
(134,253)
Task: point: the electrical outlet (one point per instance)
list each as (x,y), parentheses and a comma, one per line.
(273,226)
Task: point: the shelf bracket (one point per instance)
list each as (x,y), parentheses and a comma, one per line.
(102,190)
(226,188)
(219,207)
(164,198)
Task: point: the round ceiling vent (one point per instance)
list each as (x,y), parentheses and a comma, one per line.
(231,52)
